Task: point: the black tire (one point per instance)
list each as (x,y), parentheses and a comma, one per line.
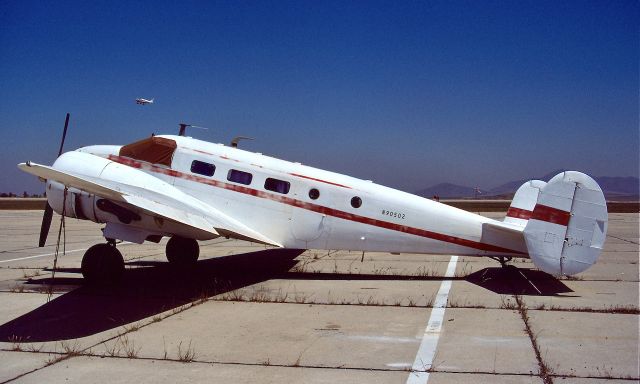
(102,264)
(182,251)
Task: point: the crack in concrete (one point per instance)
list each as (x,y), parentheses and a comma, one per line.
(545,372)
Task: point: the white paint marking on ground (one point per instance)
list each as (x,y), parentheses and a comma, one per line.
(384,339)
(43,255)
(51,254)
(427,351)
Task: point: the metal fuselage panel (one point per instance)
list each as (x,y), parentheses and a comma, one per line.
(388,220)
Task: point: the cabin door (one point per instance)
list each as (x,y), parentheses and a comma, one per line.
(308,224)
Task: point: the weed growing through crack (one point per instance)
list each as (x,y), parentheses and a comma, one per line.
(507,303)
(301,298)
(235,295)
(164,346)
(34,348)
(123,345)
(132,327)
(464,271)
(297,362)
(129,347)
(17,288)
(545,370)
(424,271)
(69,348)
(186,355)
(281,297)
(16,343)
(27,274)
(301,266)
(260,295)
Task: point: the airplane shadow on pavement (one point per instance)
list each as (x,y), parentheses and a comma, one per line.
(154,287)
(143,292)
(510,280)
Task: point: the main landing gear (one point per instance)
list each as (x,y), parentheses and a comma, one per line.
(182,252)
(503,260)
(103,263)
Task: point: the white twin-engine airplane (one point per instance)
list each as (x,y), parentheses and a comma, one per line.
(191,190)
(142,101)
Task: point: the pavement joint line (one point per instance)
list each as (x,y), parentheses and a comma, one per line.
(544,372)
(277,365)
(623,239)
(70,355)
(427,350)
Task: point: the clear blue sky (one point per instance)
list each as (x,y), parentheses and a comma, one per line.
(408,94)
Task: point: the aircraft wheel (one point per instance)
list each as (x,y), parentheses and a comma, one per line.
(102,263)
(181,251)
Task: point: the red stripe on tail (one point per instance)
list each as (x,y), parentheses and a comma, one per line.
(519,213)
(551,215)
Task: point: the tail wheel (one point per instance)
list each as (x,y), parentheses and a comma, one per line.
(182,251)
(102,263)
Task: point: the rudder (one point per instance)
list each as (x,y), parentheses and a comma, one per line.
(568,225)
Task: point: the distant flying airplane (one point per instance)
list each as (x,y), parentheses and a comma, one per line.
(142,101)
(191,190)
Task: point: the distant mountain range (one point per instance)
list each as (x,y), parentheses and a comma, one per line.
(621,188)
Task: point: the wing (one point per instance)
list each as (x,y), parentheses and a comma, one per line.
(185,210)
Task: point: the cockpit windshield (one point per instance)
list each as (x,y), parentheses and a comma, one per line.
(155,150)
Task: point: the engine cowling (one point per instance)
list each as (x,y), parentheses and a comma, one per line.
(82,205)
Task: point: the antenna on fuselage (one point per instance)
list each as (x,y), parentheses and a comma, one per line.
(234,142)
(183,128)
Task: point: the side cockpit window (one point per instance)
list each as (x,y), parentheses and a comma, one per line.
(202,168)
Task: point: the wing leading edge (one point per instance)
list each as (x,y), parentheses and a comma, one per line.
(179,207)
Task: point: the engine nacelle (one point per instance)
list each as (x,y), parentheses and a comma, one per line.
(82,205)
(78,204)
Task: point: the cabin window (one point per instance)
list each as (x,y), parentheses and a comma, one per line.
(239,177)
(276,185)
(314,194)
(202,168)
(356,202)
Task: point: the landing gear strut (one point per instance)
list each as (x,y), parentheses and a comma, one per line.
(182,251)
(503,260)
(102,263)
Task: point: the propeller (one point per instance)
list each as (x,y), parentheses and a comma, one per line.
(48,211)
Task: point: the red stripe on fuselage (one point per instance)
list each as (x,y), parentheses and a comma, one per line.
(550,215)
(519,213)
(315,207)
(320,180)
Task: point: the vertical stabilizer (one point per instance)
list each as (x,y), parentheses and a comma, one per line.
(523,203)
(568,226)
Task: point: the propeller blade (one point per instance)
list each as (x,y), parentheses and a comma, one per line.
(64,134)
(48,211)
(46,224)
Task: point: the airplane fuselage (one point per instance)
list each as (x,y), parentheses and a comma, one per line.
(304,207)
